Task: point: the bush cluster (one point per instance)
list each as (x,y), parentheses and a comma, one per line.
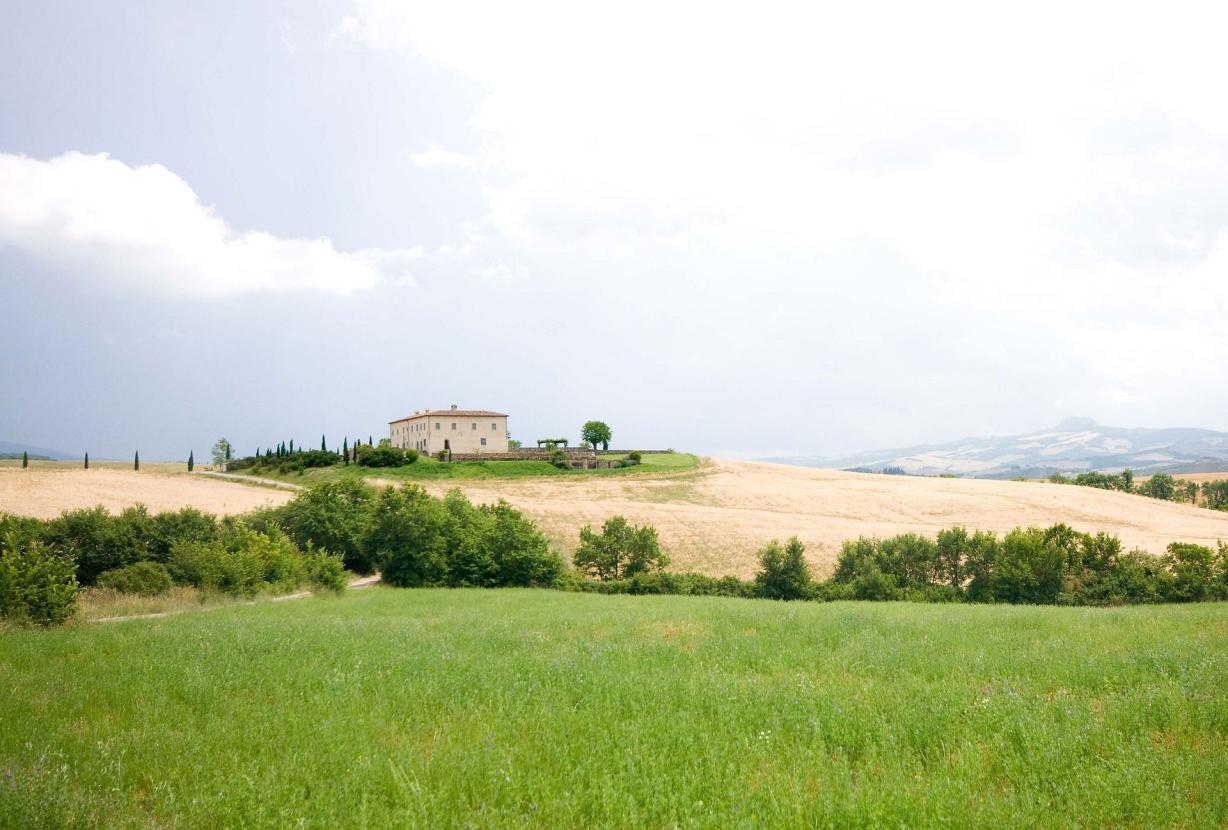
(44,562)
(37,584)
(385,456)
(416,540)
(1054,565)
(1160,486)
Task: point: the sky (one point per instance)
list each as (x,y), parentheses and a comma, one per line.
(752,230)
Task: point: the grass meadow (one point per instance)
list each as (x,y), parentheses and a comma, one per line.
(429,469)
(449,708)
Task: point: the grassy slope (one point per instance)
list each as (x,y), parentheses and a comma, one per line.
(428,469)
(497,708)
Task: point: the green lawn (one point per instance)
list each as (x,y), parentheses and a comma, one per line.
(438,708)
(428,469)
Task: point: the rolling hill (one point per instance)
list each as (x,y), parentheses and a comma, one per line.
(1074,445)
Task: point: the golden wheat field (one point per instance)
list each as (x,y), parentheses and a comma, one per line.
(48,489)
(712,519)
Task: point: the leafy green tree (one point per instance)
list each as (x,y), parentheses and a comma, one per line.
(323,446)
(1160,486)
(1193,570)
(191,461)
(332,517)
(221,453)
(783,572)
(405,538)
(345,450)
(1215,494)
(596,432)
(620,550)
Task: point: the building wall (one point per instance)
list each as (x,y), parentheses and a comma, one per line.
(427,432)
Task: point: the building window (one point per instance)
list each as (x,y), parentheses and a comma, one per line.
(494,426)
(474,425)
(454,425)
(483,442)
(437,426)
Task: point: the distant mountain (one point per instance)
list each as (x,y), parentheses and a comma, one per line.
(1074,445)
(11,449)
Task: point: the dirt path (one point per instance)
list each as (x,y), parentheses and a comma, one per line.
(252,482)
(362,582)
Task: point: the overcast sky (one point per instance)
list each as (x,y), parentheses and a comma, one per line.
(740,232)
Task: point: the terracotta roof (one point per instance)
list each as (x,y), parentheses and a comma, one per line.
(460,413)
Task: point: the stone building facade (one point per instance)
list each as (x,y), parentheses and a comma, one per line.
(467,431)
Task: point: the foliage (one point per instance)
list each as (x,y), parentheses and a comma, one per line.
(240,561)
(385,455)
(620,550)
(1054,565)
(596,432)
(418,540)
(1215,494)
(37,585)
(222,451)
(325,571)
(558,459)
(635,456)
(331,516)
(783,572)
(1159,486)
(143,578)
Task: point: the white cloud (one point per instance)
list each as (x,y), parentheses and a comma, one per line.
(1055,168)
(436,156)
(144,227)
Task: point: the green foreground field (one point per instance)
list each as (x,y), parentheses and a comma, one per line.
(428,469)
(437,708)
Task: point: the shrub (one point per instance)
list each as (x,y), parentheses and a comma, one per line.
(145,578)
(558,458)
(99,542)
(240,561)
(783,573)
(37,585)
(620,550)
(406,539)
(325,571)
(635,457)
(385,456)
(331,516)
(1193,572)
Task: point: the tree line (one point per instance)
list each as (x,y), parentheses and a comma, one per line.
(1214,494)
(417,540)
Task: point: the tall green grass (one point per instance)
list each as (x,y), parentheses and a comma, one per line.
(439,708)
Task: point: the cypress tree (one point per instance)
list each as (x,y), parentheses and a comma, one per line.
(370,443)
(25,460)
(227,450)
(345,450)
(323,446)
(191,461)
(136,460)
(87,461)
(291,446)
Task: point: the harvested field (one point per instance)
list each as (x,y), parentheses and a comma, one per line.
(48,491)
(714,519)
